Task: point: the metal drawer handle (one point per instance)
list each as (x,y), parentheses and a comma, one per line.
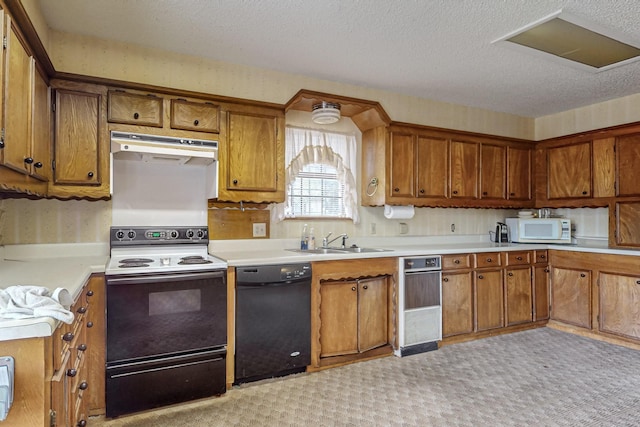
(83,385)
(510,274)
(353,288)
(480,276)
(582,275)
(82,310)
(89,324)
(82,347)
(89,293)
(365,287)
(82,423)
(72,372)
(446,279)
(519,258)
(68,337)
(488,259)
(457,261)
(136,115)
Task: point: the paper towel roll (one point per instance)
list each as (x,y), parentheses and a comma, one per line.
(398,212)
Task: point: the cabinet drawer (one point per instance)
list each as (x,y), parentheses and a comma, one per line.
(518,258)
(488,259)
(456,262)
(202,117)
(542,257)
(134,109)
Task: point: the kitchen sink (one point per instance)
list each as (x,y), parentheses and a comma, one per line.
(338,250)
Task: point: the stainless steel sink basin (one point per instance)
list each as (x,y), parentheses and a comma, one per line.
(338,250)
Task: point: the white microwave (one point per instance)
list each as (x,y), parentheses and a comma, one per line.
(539,230)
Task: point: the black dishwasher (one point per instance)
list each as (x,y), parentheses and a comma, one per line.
(273,321)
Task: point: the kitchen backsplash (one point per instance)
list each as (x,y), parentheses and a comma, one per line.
(24,221)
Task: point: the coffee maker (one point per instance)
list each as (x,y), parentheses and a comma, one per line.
(502,233)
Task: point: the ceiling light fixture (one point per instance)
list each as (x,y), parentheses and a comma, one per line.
(325,113)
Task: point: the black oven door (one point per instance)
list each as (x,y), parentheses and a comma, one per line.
(164,314)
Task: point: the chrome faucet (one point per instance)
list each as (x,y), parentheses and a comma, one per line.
(326,242)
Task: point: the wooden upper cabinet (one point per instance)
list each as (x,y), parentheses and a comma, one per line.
(569,171)
(18,84)
(252,156)
(493,164)
(77,138)
(519,174)
(464,169)
(627,224)
(134,109)
(432,167)
(627,150)
(196,116)
(41,129)
(402,160)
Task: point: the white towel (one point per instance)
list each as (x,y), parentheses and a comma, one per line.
(23,302)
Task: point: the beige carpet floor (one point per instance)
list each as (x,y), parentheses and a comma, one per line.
(541,377)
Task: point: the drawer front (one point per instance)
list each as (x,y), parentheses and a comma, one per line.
(518,258)
(488,259)
(133,109)
(201,117)
(456,262)
(542,257)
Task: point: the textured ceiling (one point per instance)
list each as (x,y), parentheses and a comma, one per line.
(431,49)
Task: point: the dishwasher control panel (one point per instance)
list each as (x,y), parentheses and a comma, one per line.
(296,271)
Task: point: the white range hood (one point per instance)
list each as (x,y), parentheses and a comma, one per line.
(163,149)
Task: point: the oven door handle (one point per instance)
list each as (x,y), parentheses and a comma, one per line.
(155,278)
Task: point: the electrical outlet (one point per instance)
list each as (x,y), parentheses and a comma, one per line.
(404,228)
(372,228)
(259,229)
(453,228)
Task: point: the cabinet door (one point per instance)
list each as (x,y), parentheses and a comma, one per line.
(252,152)
(519,173)
(432,170)
(492,171)
(338,318)
(569,171)
(571,296)
(464,169)
(134,109)
(619,297)
(372,313)
(198,116)
(96,341)
(541,292)
(41,126)
(519,296)
(627,220)
(628,165)
(77,139)
(489,300)
(457,303)
(17,103)
(402,162)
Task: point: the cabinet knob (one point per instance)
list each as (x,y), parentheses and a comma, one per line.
(82,423)
(38,165)
(512,194)
(1,143)
(68,337)
(542,256)
(235,182)
(582,275)
(82,347)
(89,293)
(422,191)
(90,174)
(353,288)
(72,372)
(89,324)
(484,193)
(584,193)
(396,189)
(82,310)
(83,385)
(446,279)
(519,258)
(455,191)
(510,274)
(546,270)
(28,160)
(489,260)
(196,122)
(456,261)
(480,276)
(136,116)
(365,287)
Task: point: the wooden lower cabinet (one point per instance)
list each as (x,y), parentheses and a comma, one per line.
(541,292)
(353,310)
(519,295)
(489,300)
(457,303)
(619,296)
(571,296)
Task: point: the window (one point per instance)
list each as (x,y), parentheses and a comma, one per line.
(320,175)
(317,192)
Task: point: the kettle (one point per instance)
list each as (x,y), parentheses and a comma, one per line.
(502,233)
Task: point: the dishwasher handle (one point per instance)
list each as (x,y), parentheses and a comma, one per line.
(248,285)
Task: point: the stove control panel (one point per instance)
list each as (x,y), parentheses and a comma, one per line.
(128,236)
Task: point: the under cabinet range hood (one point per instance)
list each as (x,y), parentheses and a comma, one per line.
(163,149)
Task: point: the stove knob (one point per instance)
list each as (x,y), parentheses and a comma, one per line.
(190,234)
(174,234)
(200,234)
(131,234)
(120,234)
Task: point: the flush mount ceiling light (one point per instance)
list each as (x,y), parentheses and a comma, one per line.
(325,113)
(574,41)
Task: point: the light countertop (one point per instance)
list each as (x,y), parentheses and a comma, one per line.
(51,266)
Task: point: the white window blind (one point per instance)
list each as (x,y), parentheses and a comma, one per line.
(317,192)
